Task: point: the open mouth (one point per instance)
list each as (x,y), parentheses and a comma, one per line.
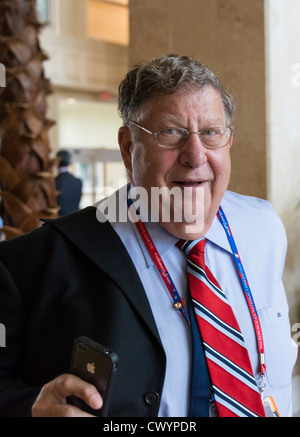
(191,184)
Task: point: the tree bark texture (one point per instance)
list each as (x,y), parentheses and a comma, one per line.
(26,170)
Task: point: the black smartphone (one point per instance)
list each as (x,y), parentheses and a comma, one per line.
(97,365)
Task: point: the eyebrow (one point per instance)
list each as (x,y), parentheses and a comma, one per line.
(214,121)
(210,121)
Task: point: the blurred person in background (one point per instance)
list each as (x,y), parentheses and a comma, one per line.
(68,186)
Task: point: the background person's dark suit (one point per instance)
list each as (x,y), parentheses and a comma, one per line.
(69,188)
(58,308)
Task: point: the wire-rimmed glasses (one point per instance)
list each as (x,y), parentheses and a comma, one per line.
(173,137)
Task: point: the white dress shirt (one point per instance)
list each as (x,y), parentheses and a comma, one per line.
(261,242)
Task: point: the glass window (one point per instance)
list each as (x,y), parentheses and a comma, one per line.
(44,10)
(101,170)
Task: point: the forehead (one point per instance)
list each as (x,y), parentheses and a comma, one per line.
(204,104)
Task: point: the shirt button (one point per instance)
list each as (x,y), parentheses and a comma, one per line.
(152,398)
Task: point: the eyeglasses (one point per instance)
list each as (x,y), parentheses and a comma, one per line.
(173,138)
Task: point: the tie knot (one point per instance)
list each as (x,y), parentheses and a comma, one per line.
(191,246)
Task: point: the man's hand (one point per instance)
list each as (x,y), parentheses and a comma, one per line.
(52,400)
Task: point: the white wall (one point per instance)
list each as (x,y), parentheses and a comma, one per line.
(283,129)
(88,125)
(283,134)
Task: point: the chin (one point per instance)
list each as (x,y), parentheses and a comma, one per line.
(186,231)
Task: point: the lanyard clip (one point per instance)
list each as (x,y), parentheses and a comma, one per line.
(262,367)
(262,386)
(262,372)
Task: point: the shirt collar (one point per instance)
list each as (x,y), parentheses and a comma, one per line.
(164,241)
(63,169)
(216,234)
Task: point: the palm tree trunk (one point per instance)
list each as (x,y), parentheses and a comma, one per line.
(26,170)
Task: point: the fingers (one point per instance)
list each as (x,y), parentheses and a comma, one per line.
(52,400)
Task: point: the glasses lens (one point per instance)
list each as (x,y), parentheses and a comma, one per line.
(215,138)
(211,138)
(171,137)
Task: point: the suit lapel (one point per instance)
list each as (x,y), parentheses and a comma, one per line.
(93,239)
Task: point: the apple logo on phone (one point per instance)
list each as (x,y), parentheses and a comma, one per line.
(91,367)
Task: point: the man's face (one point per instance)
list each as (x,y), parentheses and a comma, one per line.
(190,166)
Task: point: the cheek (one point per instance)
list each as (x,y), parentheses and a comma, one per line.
(141,164)
(150,168)
(221,165)
(221,168)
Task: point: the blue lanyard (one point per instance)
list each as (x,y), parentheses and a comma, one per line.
(245,284)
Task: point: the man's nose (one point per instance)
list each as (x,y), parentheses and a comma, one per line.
(193,152)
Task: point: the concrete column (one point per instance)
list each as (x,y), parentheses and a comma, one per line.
(73,18)
(228,36)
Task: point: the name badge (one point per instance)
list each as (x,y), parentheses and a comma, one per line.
(271,409)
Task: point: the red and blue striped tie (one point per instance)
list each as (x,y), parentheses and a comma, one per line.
(233,384)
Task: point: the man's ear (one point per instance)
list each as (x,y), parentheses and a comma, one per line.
(125,143)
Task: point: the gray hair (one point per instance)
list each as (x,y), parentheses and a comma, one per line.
(167,75)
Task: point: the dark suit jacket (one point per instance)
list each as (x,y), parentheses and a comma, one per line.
(70,189)
(74,277)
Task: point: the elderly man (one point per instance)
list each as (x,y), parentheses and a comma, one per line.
(192,304)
